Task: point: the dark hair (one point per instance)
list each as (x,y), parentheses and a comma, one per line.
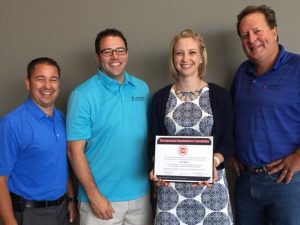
(108,32)
(41,60)
(265,10)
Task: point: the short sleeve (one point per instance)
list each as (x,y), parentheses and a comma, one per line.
(78,121)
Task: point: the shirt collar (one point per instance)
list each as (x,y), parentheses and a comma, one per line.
(36,111)
(279,60)
(110,82)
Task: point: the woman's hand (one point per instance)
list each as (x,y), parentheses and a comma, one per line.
(218,159)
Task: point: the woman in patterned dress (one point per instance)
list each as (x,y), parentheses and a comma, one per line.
(193,107)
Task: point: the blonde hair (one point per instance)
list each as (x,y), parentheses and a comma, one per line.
(188,33)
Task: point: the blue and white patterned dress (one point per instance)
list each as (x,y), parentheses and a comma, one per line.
(180,203)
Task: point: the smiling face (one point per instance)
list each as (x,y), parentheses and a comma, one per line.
(187,57)
(44,86)
(259,41)
(114,65)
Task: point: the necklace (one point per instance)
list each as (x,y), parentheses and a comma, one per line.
(188,96)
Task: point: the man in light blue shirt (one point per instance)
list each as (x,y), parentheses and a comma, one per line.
(107,133)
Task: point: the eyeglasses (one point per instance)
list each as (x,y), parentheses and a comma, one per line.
(110,51)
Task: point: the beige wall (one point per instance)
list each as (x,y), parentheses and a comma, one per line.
(66,29)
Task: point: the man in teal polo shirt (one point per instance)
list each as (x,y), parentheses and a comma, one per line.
(107,139)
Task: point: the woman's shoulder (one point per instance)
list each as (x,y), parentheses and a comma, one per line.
(163,91)
(218,89)
(219,94)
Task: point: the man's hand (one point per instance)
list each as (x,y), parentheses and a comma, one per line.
(287,167)
(236,165)
(102,208)
(72,211)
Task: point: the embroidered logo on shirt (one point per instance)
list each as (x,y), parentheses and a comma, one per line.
(267,85)
(274,86)
(137,99)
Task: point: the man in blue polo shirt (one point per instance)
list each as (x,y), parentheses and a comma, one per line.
(107,134)
(266,95)
(33,159)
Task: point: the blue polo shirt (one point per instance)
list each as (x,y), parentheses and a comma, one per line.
(33,152)
(267,110)
(112,118)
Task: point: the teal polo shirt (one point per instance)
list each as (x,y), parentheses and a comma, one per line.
(113,120)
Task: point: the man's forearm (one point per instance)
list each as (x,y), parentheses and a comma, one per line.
(6,209)
(81,167)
